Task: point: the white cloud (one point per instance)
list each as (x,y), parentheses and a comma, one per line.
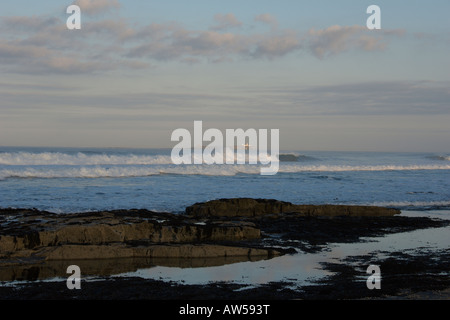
(278,45)
(226,21)
(267,19)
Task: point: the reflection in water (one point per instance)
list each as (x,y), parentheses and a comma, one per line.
(107,267)
(303,268)
(297,267)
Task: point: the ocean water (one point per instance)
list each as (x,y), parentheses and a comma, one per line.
(64,180)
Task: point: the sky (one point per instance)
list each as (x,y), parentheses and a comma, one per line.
(138,70)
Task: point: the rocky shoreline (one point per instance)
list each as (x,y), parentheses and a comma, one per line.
(37,245)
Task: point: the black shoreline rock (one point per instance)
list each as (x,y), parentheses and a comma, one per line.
(218,228)
(37,244)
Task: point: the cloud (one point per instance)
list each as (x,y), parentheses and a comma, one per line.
(32,113)
(172,42)
(20,23)
(39,60)
(92,7)
(116,30)
(337,39)
(39,44)
(36,59)
(279,45)
(267,19)
(377,104)
(383,98)
(225,22)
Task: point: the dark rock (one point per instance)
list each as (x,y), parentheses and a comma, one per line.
(247,207)
(39,245)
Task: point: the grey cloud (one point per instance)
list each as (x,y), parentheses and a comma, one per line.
(356,99)
(20,58)
(360,105)
(368,98)
(20,23)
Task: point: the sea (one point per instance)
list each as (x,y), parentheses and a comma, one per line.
(68,180)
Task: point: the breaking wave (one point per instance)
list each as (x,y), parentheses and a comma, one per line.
(121,171)
(80,158)
(23,164)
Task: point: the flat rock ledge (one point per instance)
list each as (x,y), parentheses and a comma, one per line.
(31,235)
(207,230)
